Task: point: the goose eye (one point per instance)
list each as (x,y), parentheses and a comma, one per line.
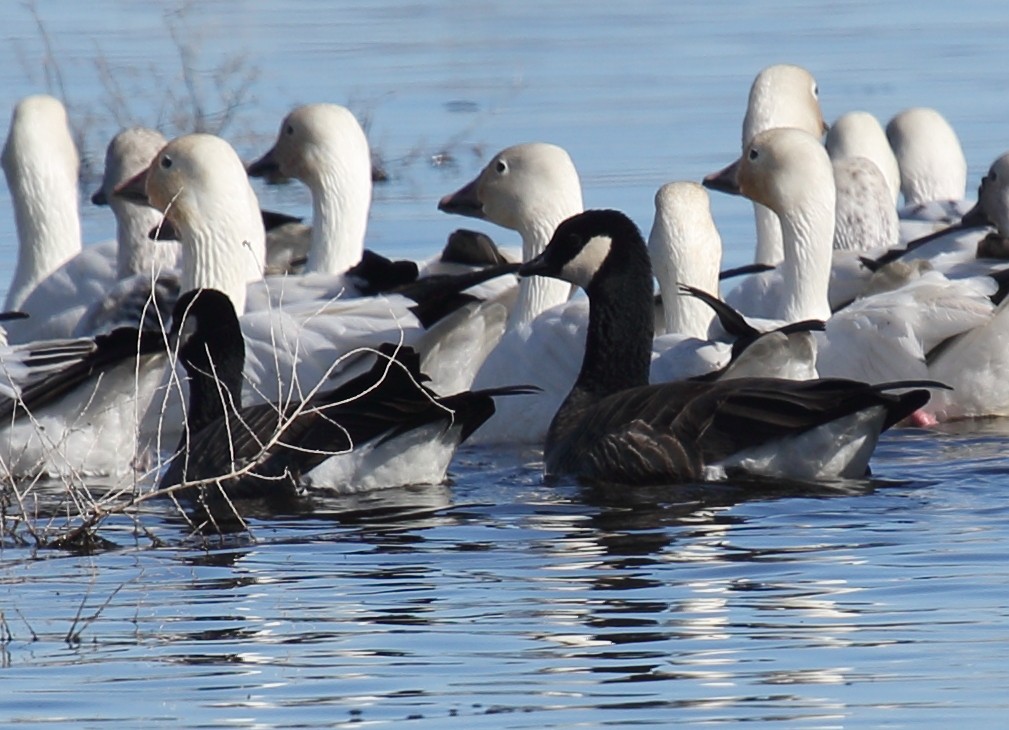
(993,176)
(753,154)
(289,129)
(166,162)
(816,91)
(501,166)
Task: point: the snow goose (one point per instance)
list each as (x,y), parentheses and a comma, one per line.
(933,171)
(931,160)
(144,264)
(685,250)
(865,224)
(129,153)
(94,278)
(859,134)
(382,429)
(323,146)
(878,338)
(782,95)
(528,188)
(202,187)
(764,174)
(615,428)
(41,165)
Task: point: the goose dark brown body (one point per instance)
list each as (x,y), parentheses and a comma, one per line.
(616,428)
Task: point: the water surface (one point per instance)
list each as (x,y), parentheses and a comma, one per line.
(495,601)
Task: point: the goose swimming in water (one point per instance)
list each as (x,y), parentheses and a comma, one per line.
(782,95)
(97,278)
(931,160)
(379,430)
(859,134)
(890,335)
(202,187)
(615,428)
(528,188)
(41,164)
(324,146)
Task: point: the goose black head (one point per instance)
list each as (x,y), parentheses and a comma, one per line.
(586,243)
(205,319)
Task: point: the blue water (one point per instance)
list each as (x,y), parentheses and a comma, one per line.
(494,601)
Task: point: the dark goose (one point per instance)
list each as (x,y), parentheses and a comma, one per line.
(614,427)
(383,428)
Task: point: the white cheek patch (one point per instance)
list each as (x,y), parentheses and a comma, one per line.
(583,267)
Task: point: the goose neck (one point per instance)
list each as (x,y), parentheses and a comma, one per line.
(136,252)
(770,246)
(618,347)
(213,262)
(49,231)
(537,293)
(339,221)
(808,236)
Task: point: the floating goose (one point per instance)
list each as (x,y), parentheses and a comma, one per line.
(782,95)
(41,165)
(93,278)
(528,188)
(878,338)
(200,183)
(323,146)
(931,160)
(615,428)
(859,134)
(379,430)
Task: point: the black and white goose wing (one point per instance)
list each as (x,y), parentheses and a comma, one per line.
(674,432)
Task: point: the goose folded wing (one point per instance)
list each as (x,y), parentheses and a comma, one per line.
(668,433)
(62,368)
(744,414)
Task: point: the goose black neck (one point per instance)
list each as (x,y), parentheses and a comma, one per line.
(213,355)
(215,386)
(618,350)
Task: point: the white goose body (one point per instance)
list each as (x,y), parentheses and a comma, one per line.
(90,431)
(529,188)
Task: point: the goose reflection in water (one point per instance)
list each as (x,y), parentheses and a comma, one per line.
(610,614)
